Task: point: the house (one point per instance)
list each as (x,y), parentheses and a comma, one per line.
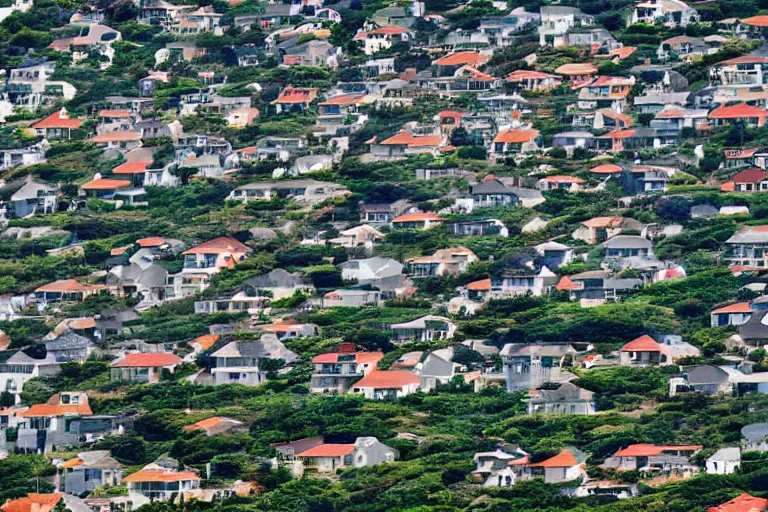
(32,198)
(384,213)
(627,246)
(92,38)
(748,247)
(645,351)
(742,503)
(143,367)
(424,329)
(733,314)
(383,38)
(670,123)
(64,420)
(335,372)
(743,113)
(486,227)
(56,126)
(239,362)
(605,92)
(278,283)
(29,86)
(742,71)
(671,13)
(365,452)
(21,157)
(526,80)
(725,461)
(65,290)
(118,140)
(351,298)
(417,220)
(213,426)
(242,117)
(566,399)
(527,366)
(90,470)
(308,192)
(201,262)
(491,193)
(653,102)
(754,332)
(683,48)
(71,347)
(403,143)
(359,236)
(555,254)
(754,437)
(708,379)
(438,368)
(750,181)
(234,302)
(160,483)
(105,188)
(20,368)
(566,466)
(385,274)
(595,287)
(203,19)
(512,142)
(573,140)
(382,385)
(503,467)
(558,20)
(312,53)
(523,280)
(287,330)
(36,502)
(445,262)
(341,113)
(293,99)
(569,183)
(648,458)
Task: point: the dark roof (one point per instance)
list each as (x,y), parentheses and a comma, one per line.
(67,341)
(491,187)
(754,327)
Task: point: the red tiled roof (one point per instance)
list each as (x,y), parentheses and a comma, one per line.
(328,450)
(750,176)
(564,459)
(291,95)
(148,360)
(56,120)
(33,502)
(450,113)
(114,113)
(418,217)
(43,410)
(623,52)
(220,245)
(733,154)
(393,379)
(756,21)
(671,113)
(344,99)
(132,167)
(643,344)
(106,184)
(649,450)
(524,74)
(516,136)
(742,110)
(391,30)
(744,503)
(160,475)
(620,134)
(360,357)
(728,186)
(152,241)
(66,286)
(119,136)
(118,251)
(205,424)
(412,141)
(462,59)
(82,323)
(575,69)
(280,327)
(563,179)
(606,169)
(482,285)
(739,307)
(565,284)
(747,59)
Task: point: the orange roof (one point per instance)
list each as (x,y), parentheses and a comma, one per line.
(148,360)
(117,251)
(565,283)
(742,110)
(328,450)
(65,286)
(220,245)
(114,113)
(621,134)
(756,21)
(564,459)
(418,217)
(623,52)
(106,184)
(606,169)
(33,502)
(42,410)
(391,30)
(204,424)
(575,69)
(603,222)
(670,113)
(152,241)
(393,379)
(644,343)
(728,186)
(747,59)
(207,340)
(121,136)
(649,450)
(739,307)
(482,285)
(563,179)
(524,74)
(516,136)
(82,323)
(360,357)
(160,475)
(450,113)
(73,463)
(58,120)
(132,167)
(344,99)
(461,59)
(280,327)
(412,141)
(291,95)
(744,503)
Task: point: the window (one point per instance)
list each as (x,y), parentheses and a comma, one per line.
(234,376)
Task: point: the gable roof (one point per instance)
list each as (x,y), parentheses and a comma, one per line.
(750,176)
(106,184)
(132,167)
(220,245)
(58,119)
(744,502)
(160,475)
(481,285)
(606,169)
(328,450)
(516,136)
(147,360)
(391,379)
(360,357)
(564,459)
(418,217)
(44,410)
(391,30)
(33,502)
(65,286)
(741,110)
(739,307)
(404,137)
(525,74)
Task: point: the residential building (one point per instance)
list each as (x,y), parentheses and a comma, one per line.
(340,114)
(143,367)
(365,452)
(558,20)
(424,329)
(21,368)
(351,298)
(32,198)
(523,281)
(741,113)
(527,366)
(645,351)
(606,92)
(566,399)
(487,227)
(278,283)
(213,426)
(750,181)
(383,38)
(600,229)
(385,274)
(748,247)
(203,261)
(57,126)
(555,254)
(417,220)
(306,192)
(503,467)
(744,502)
(239,362)
(754,437)
(708,379)
(595,287)
(570,183)
(290,330)
(29,86)
(566,466)
(404,143)
(527,80)
(725,461)
(445,262)
(734,314)
(491,193)
(292,99)
(671,13)
(90,470)
(513,142)
(658,458)
(382,385)
(68,290)
(335,372)
(627,246)
(745,70)
(160,483)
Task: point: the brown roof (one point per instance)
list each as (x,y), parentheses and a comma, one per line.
(223,244)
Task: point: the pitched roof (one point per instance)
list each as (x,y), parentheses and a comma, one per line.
(603,222)
(220,245)
(65,286)
(152,241)
(564,459)
(524,74)
(743,503)
(343,99)
(207,340)
(481,285)
(739,307)
(205,424)
(418,217)
(461,59)
(747,59)
(328,450)
(750,176)
(106,184)
(563,179)
(606,169)
(756,21)
(33,502)
(118,136)
(147,360)
(291,95)
(404,137)
(132,167)
(360,357)
(650,450)
(58,119)
(43,410)
(114,113)
(741,110)
(575,69)
(391,30)
(644,343)
(565,284)
(516,136)
(392,379)
(160,475)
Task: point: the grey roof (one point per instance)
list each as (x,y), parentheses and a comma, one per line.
(98,459)
(627,242)
(268,347)
(526,193)
(278,278)
(520,349)
(585,135)
(754,328)
(755,432)
(491,187)
(731,454)
(68,341)
(706,374)
(567,392)
(421,323)
(378,266)
(391,12)
(559,10)
(621,283)
(748,235)
(591,274)
(704,210)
